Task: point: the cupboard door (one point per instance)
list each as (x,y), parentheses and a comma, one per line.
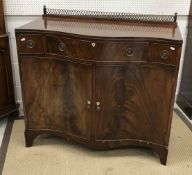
(56,94)
(4,89)
(134,102)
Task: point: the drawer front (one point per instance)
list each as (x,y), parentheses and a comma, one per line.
(164,53)
(72,48)
(98,50)
(124,51)
(30,43)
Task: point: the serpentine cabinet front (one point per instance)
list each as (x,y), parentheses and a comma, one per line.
(101,92)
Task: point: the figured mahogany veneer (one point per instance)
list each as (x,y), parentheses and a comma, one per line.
(100,83)
(118,51)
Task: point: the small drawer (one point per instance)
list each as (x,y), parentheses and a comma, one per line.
(69,47)
(164,53)
(30,43)
(124,51)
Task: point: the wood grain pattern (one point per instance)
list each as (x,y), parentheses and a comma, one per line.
(136,102)
(55,94)
(104,28)
(97,49)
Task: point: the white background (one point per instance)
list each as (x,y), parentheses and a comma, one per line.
(34,7)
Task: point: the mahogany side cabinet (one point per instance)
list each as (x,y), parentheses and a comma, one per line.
(8,104)
(101,83)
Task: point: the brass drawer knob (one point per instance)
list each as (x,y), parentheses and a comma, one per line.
(164,54)
(30,44)
(129,52)
(61,46)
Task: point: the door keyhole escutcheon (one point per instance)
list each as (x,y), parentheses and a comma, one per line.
(88,106)
(98,108)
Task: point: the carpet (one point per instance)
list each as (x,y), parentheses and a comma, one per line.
(51,155)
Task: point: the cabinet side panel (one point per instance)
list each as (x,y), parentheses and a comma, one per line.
(2,20)
(4,93)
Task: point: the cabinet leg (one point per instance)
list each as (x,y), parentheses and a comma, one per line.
(162,152)
(29,137)
(15,114)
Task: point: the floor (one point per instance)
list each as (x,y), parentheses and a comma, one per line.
(3,123)
(51,153)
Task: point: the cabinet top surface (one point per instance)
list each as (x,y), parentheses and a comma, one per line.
(104,28)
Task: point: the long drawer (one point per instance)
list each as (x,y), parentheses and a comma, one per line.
(98,50)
